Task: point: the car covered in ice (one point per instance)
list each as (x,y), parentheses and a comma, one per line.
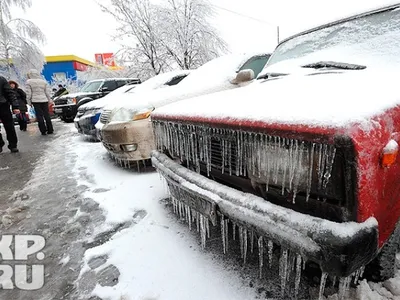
(128,136)
(66,106)
(307,160)
(162,80)
(88,114)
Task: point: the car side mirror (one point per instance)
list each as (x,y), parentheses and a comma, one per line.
(244,76)
(104,89)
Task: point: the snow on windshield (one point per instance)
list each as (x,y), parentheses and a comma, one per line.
(370,40)
(219,70)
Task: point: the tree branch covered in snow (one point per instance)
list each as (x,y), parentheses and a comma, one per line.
(18,37)
(189,37)
(157,37)
(139,19)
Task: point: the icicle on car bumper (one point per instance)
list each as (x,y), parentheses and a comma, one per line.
(339,248)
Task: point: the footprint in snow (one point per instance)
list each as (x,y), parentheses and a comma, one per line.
(100,190)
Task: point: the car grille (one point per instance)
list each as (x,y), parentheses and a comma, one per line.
(60,101)
(304,175)
(105,116)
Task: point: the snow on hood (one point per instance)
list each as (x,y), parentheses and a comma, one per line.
(33,74)
(213,76)
(324,99)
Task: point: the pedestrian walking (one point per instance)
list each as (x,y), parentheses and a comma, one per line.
(38,95)
(8,99)
(23,109)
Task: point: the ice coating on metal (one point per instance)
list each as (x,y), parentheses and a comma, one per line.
(270,160)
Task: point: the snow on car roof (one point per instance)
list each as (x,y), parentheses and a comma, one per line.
(325,100)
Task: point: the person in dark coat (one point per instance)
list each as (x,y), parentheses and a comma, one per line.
(21,96)
(8,98)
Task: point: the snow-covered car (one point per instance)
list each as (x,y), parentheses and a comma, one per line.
(88,114)
(66,106)
(307,160)
(162,80)
(128,136)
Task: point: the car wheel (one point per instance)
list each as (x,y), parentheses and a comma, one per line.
(383,267)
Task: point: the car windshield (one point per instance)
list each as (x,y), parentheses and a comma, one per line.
(372,40)
(155,82)
(91,86)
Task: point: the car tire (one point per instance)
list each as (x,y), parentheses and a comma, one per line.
(383,267)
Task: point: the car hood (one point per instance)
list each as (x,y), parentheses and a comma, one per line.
(329,99)
(77,95)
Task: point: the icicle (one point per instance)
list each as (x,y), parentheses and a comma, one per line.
(227,234)
(358,274)
(270,245)
(362,269)
(298,275)
(190,218)
(251,241)
(234,231)
(283,269)
(343,287)
(333,281)
(324,276)
(198,221)
(207,227)
(310,170)
(304,264)
(241,240)
(223,236)
(203,233)
(261,254)
(244,245)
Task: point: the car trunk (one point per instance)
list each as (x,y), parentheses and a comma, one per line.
(309,173)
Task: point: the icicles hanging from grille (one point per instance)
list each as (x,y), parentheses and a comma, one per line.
(291,164)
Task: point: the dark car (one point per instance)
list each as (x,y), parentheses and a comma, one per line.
(66,106)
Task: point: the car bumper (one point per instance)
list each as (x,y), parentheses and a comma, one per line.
(339,248)
(86,124)
(130,141)
(65,111)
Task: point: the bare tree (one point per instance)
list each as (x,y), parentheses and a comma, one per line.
(189,37)
(140,28)
(18,51)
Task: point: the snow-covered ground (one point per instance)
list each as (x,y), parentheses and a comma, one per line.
(157,256)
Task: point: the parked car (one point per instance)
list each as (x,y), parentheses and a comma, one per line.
(89,113)
(306,160)
(129,135)
(66,106)
(162,80)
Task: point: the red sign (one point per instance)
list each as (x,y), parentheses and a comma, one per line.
(106,59)
(79,66)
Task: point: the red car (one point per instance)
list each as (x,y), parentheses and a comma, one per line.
(304,161)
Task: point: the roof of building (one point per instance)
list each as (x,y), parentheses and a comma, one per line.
(62,58)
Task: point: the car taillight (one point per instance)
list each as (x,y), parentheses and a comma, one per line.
(389,153)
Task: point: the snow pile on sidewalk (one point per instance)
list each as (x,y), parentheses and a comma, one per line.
(155,260)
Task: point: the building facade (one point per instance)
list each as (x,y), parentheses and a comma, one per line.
(63,68)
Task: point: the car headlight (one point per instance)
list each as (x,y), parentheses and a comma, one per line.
(127,114)
(71,101)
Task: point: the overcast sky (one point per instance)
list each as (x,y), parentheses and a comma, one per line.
(79,27)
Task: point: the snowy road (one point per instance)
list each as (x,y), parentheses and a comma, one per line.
(111,235)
